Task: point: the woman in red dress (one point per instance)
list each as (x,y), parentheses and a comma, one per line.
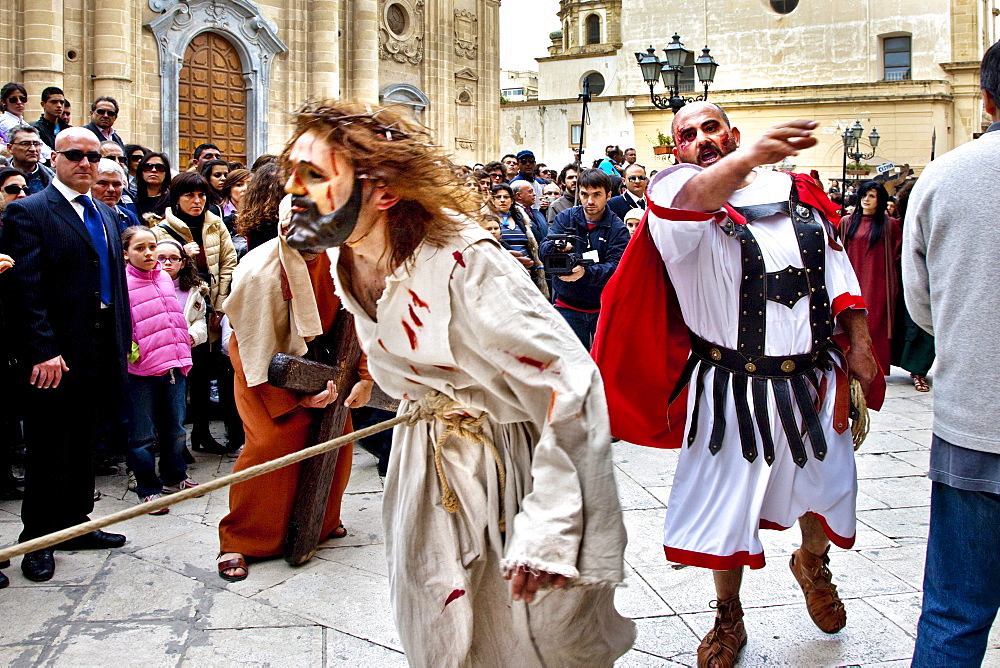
(873,241)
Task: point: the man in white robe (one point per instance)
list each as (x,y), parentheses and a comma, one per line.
(513,478)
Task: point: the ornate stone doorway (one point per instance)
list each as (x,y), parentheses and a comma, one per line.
(212,99)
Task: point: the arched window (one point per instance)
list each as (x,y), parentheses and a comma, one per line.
(593,29)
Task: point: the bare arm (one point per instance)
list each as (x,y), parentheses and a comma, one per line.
(860,360)
(710,189)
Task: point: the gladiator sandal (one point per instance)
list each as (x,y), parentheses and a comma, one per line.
(723,643)
(813,574)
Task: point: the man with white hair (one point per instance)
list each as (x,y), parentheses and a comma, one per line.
(108,188)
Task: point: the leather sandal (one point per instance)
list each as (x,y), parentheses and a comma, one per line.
(723,643)
(920,383)
(231,564)
(813,575)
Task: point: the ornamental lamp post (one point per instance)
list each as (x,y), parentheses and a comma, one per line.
(852,148)
(670,71)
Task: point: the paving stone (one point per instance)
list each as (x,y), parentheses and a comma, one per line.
(906,562)
(130,589)
(785,636)
(637,659)
(369,558)
(346,650)
(146,644)
(879,442)
(297,646)
(349,600)
(650,467)
(645,537)
(905,492)
(898,522)
(921,459)
(667,638)
(637,599)
(874,465)
(364,473)
(361,515)
(18,656)
(72,568)
(222,609)
(48,609)
(632,495)
(191,554)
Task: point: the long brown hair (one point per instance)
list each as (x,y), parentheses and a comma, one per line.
(385,144)
(261,199)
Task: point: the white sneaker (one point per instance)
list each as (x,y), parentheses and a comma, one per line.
(187,483)
(154,497)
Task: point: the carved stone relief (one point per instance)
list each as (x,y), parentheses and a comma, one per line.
(466,34)
(401,31)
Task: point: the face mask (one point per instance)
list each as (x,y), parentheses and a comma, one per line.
(311,232)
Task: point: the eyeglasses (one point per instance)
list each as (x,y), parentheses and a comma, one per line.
(17,100)
(171,259)
(76,155)
(105,112)
(155,167)
(14,189)
(636,179)
(28,144)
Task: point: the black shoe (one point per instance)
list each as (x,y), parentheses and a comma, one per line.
(188,457)
(38,566)
(205,442)
(3,581)
(5,563)
(11,494)
(95,540)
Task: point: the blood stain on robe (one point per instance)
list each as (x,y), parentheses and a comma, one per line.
(458,258)
(414,370)
(383,345)
(417,301)
(531,361)
(410,335)
(552,406)
(445,368)
(453,596)
(414,318)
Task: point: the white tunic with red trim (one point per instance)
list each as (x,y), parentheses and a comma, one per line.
(718,502)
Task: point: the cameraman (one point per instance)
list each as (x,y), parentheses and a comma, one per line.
(599,240)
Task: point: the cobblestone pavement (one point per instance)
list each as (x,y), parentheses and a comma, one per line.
(159,602)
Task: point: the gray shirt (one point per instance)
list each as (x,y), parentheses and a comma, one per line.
(951,252)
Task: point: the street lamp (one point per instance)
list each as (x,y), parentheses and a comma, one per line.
(852,148)
(670,71)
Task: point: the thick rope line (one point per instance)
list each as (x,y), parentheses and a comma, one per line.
(49,540)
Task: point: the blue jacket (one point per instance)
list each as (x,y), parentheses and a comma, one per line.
(609,236)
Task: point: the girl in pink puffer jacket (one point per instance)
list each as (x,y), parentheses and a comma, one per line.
(161,358)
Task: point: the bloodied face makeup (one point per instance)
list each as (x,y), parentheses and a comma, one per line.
(327,198)
(702,135)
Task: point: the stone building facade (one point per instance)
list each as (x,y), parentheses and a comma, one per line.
(230,71)
(908,69)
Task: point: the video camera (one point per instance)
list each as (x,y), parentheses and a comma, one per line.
(562,261)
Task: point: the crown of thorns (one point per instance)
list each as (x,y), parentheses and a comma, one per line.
(336,117)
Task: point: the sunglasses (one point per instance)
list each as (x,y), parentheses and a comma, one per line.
(105,112)
(17,100)
(76,155)
(636,179)
(171,259)
(121,159)
(155,168)
(136,158)
(14,189)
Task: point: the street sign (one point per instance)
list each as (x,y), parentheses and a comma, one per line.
(885,167)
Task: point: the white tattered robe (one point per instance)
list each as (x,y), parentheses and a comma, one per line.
(719,502)
(466,320)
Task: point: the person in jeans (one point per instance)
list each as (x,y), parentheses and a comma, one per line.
(160,359)
(949,264)
(600,236)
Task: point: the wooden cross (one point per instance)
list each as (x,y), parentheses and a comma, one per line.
(316,475)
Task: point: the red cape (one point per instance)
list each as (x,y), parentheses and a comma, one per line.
(641,346)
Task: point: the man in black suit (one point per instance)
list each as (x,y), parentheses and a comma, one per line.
(634,196)
(67,306)
(103,114)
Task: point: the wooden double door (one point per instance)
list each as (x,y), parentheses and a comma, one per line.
(212,99)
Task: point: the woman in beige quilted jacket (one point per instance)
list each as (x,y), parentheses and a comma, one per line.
(207,242)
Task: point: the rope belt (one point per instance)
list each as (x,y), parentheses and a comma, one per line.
(434,406)
(447,411)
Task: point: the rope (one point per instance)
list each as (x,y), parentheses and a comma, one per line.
(433,406)
(860,424)
(465,427)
